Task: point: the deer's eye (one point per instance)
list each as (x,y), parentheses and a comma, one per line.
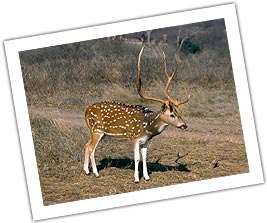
(172,115)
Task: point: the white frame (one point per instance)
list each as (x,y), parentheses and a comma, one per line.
(228,13)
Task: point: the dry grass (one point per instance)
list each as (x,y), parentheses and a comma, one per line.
(212,147)
(59,152)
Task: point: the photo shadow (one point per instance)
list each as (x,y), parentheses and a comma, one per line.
(126,163)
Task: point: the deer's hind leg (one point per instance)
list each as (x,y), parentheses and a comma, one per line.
(90,153)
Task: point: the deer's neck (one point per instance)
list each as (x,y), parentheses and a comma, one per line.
(154,125)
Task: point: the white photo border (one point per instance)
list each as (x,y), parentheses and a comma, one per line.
(226,12)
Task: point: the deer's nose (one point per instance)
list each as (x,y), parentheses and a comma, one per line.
(184,126)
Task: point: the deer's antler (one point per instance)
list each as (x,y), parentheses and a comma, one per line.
(168,80)
(170,77)
(139,83)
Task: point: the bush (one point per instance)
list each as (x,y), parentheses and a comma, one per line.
(190,47)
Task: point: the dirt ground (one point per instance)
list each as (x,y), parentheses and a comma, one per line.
(209,148)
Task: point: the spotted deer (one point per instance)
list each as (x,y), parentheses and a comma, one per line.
(134,122)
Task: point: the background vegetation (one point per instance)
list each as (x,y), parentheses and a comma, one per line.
(80,72)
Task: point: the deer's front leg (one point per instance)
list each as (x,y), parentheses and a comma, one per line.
(136,162)
(144,152)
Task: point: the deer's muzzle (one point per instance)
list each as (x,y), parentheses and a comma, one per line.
(183,126)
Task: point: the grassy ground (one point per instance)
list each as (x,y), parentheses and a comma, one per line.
(59,90)
(213,146)
(200,153)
